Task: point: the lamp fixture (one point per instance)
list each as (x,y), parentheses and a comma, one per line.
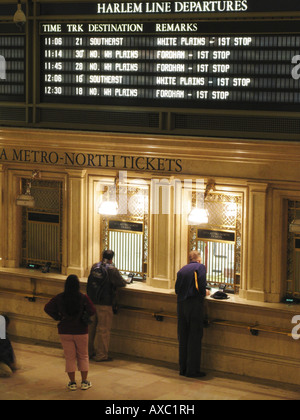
(211,186)
(19,17)
(108,207)
(199,216)
(295,226)
(27,200)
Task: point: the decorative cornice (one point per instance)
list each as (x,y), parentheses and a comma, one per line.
(236,158)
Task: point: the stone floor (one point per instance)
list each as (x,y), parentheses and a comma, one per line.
(41,377)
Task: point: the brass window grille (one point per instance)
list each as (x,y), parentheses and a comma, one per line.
(220,240)
(127,232)
(41,226)
(219,259)
(293,257)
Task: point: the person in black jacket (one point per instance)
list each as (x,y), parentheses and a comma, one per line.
(71,309)
(191,290)
(7,356)
(103,282)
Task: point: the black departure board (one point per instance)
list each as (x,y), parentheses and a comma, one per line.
(12,64)
(168,65)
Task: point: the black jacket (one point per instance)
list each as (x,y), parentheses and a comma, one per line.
(185,285)
(102,288)
(7,355)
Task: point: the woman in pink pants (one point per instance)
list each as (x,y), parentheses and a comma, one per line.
(68,308)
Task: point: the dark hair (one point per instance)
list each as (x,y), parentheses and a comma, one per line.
(108,255)
(72,295)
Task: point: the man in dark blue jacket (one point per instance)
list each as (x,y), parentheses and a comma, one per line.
(7,355)
(191,290)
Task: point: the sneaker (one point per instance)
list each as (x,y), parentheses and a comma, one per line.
(85,385)
(72,386)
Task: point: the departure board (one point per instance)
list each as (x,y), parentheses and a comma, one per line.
(168,65)
(12,66)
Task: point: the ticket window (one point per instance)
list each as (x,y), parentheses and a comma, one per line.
(293,251)
(293,280)
(218,256)
(127,240)
(127,233)
(219,241)
(297,266)
(41,226)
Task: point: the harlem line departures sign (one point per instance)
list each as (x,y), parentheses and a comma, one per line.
(176,63)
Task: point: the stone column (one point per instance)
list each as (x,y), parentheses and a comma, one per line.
(161,235)
(2,224)
(254,286)
(12,230)
(77,223)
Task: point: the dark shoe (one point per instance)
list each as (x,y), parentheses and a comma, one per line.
(197,375)
(109,359)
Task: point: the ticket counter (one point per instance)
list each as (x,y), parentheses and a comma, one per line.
(155,128)
(245,215)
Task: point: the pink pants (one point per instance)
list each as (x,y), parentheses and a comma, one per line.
(76,350)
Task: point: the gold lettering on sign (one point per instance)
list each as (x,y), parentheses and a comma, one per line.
(90,160)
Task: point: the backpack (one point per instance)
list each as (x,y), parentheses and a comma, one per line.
(96,282)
